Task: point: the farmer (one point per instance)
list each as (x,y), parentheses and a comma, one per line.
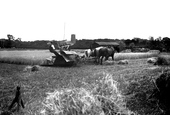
(52,48)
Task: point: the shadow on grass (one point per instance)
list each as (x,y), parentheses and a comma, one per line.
(137,97)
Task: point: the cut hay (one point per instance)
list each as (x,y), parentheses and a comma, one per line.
(152,60)
(31,68)
(101,98)
(73,101)
(122,62)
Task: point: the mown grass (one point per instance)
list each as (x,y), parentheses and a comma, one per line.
(87,89)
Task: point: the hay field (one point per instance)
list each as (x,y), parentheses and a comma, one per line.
(122,56)
(38,57)
(30,57)
(83,90)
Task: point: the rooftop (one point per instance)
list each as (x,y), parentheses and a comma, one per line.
(108,43)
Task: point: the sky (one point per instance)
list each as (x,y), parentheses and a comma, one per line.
(33,20)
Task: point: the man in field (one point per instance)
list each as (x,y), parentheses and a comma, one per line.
(62,53)
(52,48)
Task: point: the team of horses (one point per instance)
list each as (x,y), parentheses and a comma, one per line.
(101,52)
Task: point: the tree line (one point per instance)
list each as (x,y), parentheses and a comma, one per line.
(162,44)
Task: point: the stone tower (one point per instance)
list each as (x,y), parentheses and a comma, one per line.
(73,38)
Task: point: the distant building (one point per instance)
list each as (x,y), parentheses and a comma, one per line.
(70,43)
(106,44)
(73,38)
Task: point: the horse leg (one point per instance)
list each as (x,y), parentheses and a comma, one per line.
(101,60)
(113,57)
(96,60)
(106,58)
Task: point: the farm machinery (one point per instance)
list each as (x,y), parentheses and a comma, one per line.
(65,58)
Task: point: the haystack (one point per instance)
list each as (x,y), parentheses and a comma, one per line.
(122,62)
(152,60)
(30,68)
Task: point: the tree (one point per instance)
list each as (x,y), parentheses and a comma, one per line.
(132,46)
(127,42)
(166,43)
(10,41)
(152,43)
(122,45)
(18,42)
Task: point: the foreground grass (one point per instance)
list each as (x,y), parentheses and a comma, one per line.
(126,86)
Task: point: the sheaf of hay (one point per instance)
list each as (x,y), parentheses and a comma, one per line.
(101,98)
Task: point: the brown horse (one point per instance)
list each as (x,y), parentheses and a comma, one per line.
(102,52)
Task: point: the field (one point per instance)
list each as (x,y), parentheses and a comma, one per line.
(24,56)
(84,89)
(33,57)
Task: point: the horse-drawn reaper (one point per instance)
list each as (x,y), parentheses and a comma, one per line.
(62,58)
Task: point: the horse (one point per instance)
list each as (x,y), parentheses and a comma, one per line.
(111,52)
(102,52)
(89,53)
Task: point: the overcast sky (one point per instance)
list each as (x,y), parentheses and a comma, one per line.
(88,19)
